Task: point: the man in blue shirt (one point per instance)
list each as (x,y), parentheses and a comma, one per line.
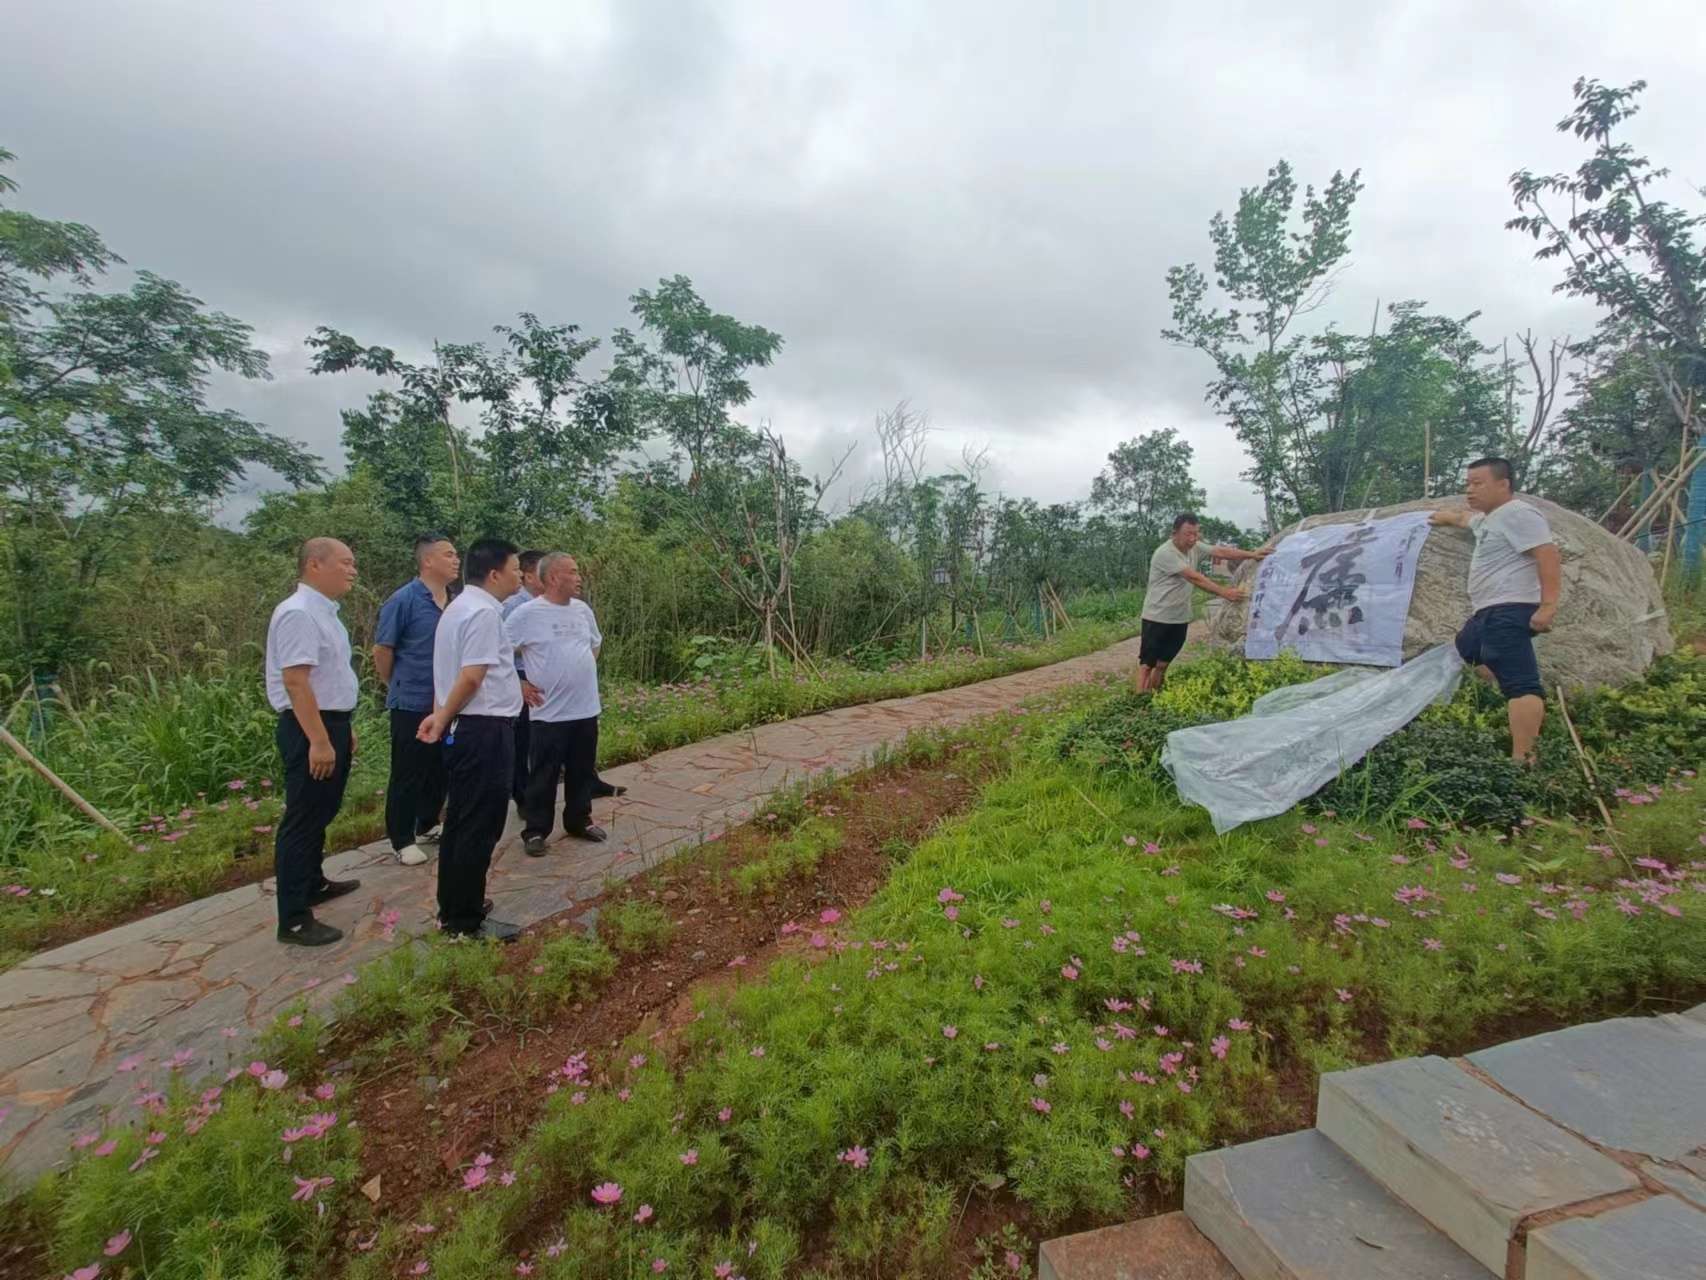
(402,657)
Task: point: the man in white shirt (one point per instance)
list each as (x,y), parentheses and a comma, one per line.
(1177,565)
(476,699)
(557,641)
(1515,575)
(313,687)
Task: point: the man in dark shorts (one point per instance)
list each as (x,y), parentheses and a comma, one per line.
(1514,579)
(1174,569)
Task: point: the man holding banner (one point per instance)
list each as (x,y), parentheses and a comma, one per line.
(1175,568)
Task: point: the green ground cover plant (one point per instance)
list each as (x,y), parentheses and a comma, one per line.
(188,766)
(1054,1001)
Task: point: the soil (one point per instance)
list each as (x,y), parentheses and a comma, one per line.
(414,1140)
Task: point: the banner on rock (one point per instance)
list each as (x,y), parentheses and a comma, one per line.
(1338,592)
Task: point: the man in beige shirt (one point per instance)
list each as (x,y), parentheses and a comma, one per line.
(1175,568)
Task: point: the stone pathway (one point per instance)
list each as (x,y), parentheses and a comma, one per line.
(202,980)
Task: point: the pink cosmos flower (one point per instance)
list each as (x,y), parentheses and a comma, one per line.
(725,1115)
(474,1178)
(507,1177)
(1219,1045)
(856,1156)
(690,1157)
(1069,973)
(117,1244)
(1127,1108)
(325,1092)
(637,1061)
(644,1215)
(1139,1151)
(723,1270)
(1041,1106)
(307,1187)
(89,1272)
(946,895)
(131,1063)
(1131,842)
(78,1143)
(949,1031)
(524,1268)
(420,1268)
(1504,877)
(1416,824)
(1344,996)
(757,1051)
(1433,944)
(1045,906)
(659,1266)
(828,916)
(274,1079)
(607,1193)
(107,1147)
(1309,828)
(951,913)
(1237,1024)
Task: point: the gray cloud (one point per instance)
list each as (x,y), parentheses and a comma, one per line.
(969,205)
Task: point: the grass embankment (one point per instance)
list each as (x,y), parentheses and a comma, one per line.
(188,767)
(1051,1003)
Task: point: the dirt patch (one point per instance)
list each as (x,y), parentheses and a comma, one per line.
(415,1138)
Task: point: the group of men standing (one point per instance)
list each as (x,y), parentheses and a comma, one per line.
(492,697)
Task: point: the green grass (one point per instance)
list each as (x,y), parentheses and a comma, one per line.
(632,928)
(181,763)
(1006,1013)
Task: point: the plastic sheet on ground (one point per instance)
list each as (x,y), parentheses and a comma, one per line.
(1298,739)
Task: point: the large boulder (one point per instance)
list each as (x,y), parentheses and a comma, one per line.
(1611,620)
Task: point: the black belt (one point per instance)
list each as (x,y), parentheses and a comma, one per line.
(493,719)
(325,714)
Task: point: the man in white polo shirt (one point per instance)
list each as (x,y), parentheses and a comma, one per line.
(313,687)
(1515,575)
(476,699)
(557,640)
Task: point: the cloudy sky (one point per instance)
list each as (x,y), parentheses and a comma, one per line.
(967,205)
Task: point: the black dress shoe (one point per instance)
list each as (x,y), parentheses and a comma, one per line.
(330,889)
(602,790)
(533,846)
(308,932)
(496,930)
(595,834)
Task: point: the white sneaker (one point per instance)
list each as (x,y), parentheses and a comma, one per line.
(429,837)
(412,856)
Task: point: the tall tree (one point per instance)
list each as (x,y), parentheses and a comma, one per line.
(1272,275)
(1147,482)
(105,421)
(687,368)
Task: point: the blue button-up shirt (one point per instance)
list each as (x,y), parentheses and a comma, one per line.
(407,624)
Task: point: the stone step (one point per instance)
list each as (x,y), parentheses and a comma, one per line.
(1163,1248)
(1657,1239)
(1470,1160)
(1297,1208)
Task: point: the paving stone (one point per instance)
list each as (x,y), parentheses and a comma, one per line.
(34,984)
(1629,1083)
(134,1007)
(1658,1239)
(1163,1248)
(1680,1182)
(1460,1153)
(1297,1207)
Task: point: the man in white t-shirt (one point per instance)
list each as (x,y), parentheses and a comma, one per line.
(1514,578)
(476,699)
(312,686)
(1179,564)
(557,640)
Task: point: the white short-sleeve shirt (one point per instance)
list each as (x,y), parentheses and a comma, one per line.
(471,634)
(306,631)
(556,644)
(1502,570)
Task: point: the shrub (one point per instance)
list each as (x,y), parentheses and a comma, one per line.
(633,927)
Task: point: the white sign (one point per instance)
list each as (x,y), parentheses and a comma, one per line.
(1338,592)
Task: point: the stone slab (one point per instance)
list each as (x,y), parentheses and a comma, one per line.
(1163,1248)
(1658,1239)
(1467,1158)
(1698,1013)
(1298,1208)
(1679,1182)
(1633,1084)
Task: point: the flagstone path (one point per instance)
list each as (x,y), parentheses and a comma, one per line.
(201,981)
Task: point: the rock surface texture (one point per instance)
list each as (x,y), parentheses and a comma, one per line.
(1611,620)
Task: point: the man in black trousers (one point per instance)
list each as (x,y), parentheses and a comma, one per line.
(313,687)
(557,638)
(402,659)
(477,698)
(529,589)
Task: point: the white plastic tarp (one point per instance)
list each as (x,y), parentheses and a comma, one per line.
(1298,739)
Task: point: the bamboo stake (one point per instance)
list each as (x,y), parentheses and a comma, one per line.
(1587,771)
(64,788)
(1677,520)
(1665,490)
(1618,500)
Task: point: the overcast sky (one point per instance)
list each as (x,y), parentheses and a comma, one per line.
(971,206)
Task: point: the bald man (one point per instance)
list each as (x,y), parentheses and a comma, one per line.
(313,687)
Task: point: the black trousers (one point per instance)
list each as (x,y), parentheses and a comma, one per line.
(479,766)
(565,752)
(414,796)
(523,752)
(310,804)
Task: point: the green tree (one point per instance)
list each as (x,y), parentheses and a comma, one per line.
(105,423)
(687,368)
(1147,482)
(1272,275)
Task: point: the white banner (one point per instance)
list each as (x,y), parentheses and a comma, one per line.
(1338,592)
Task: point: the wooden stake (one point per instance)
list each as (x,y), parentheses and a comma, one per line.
(23,753)
(1427,457)
(1618,500)
(1587,769)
